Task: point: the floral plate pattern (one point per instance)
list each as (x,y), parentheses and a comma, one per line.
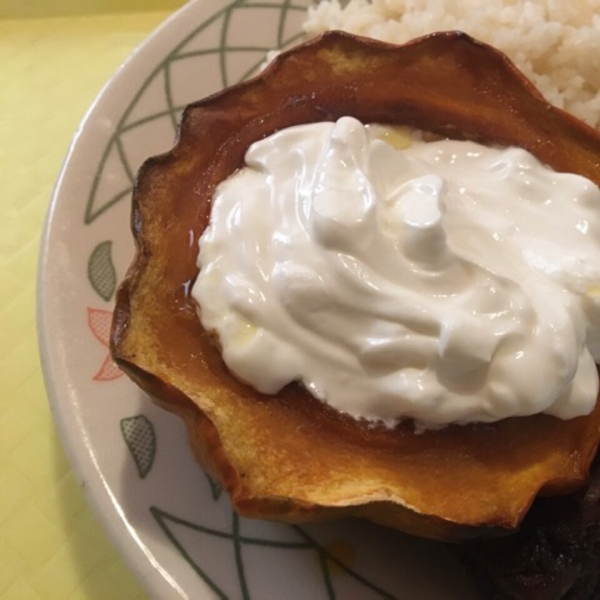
(170,521)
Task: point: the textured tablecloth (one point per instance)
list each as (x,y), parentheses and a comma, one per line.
(52,68)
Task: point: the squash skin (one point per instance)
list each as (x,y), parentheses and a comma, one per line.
(290,457)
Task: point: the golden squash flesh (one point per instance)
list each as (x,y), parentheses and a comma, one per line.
(289,456)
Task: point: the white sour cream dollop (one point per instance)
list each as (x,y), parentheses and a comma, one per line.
(447,282)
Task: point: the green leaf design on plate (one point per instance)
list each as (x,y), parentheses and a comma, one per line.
(138,433)
(216,489)
(101,270)
(169,524)
(276,16)
(198,536)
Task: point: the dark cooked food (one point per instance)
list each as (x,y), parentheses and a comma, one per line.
(554,556)
(290,457)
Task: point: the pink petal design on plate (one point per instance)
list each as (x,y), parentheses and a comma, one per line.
(99,323)
(108,371)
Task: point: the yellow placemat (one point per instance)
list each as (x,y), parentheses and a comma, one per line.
(11,9)
(50,544)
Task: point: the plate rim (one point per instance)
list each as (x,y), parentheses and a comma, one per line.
(149,574)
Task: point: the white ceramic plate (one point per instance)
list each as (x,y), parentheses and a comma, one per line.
(172,524)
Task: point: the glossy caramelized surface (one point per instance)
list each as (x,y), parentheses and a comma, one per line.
(289,456)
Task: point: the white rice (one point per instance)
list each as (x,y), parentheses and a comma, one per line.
(556,43)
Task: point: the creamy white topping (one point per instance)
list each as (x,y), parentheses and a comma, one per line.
(444,282)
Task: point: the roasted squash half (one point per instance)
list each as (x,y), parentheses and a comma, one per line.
(290,457)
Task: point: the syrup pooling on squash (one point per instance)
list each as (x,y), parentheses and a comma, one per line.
(445,281)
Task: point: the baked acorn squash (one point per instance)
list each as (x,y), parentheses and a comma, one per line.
(291,457)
